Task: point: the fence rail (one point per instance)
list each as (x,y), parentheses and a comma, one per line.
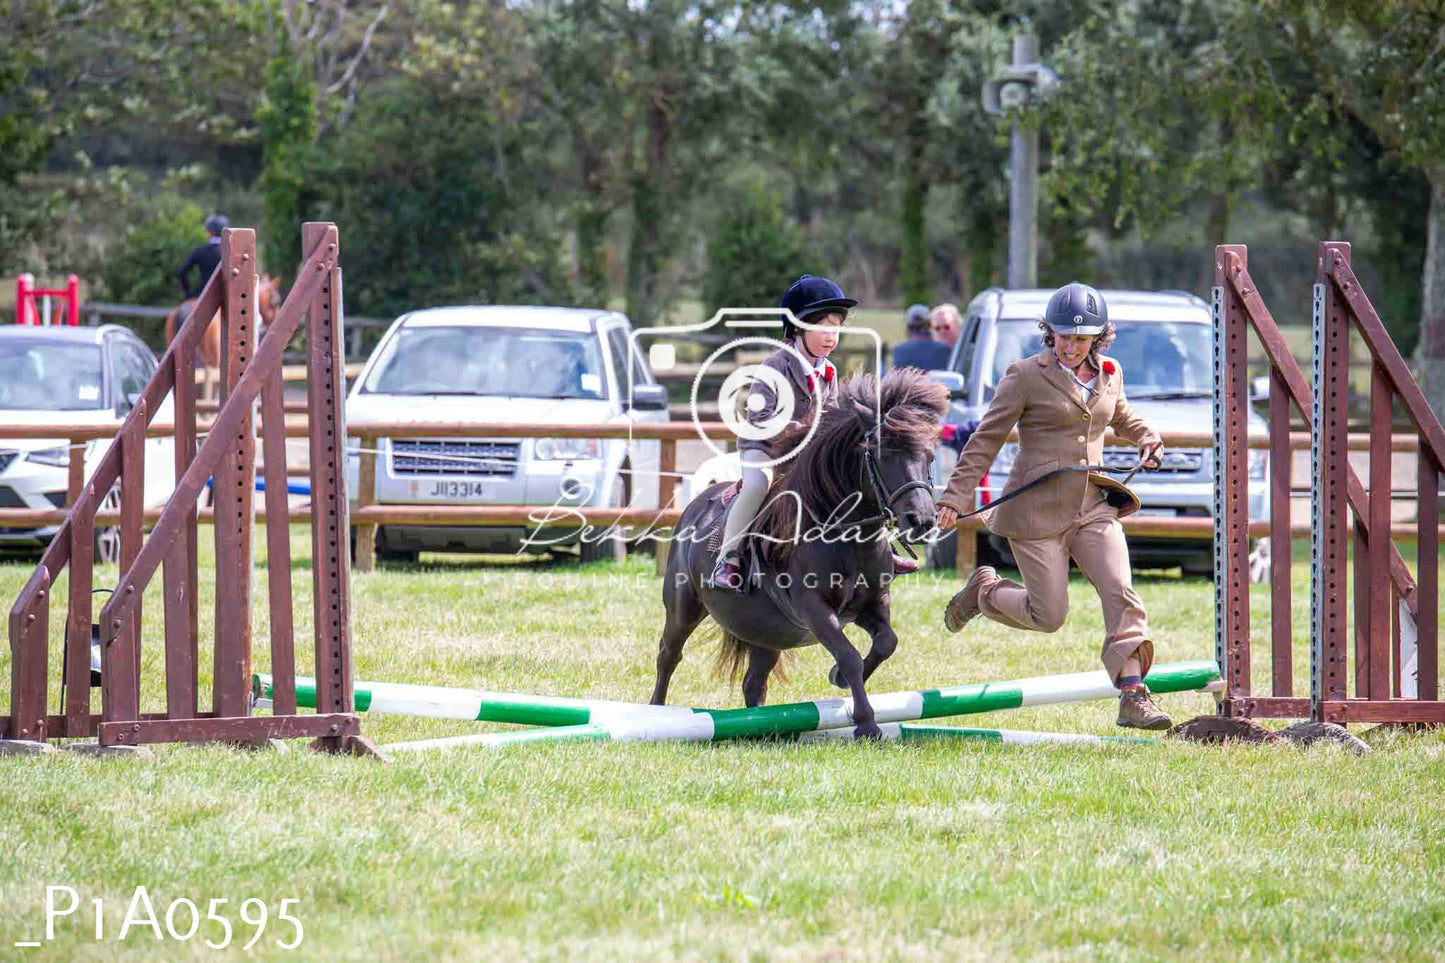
(367,514)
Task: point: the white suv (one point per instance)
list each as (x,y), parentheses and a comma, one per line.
(72,376)
(496,364)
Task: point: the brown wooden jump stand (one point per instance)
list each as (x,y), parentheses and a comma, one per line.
(250,368)
(1387,599)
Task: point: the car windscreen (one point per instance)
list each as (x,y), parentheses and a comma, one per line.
(465,360)
(1161,359)
(49,375)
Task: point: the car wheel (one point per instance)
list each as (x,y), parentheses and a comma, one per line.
(106,539)
(944,552)
(610,549)
(1192,567)
(399,555)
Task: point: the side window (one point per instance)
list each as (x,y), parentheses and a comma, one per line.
(617,351)
(132,370)
(969,339)
(641,371)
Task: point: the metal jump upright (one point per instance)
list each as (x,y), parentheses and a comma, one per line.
(1396,615)
(250,369)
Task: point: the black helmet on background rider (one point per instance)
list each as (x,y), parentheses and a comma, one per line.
(217,223)
(1076,309)
(812,295)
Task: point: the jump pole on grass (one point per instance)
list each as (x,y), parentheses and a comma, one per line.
(475,705)
(913,732)
(892,732)
(714,725)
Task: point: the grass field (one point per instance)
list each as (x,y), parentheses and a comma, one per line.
(730,851)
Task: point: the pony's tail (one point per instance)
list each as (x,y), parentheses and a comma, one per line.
(732,656)
(732,659)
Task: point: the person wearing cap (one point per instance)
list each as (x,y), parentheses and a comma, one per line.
(920,350)
(947,322)
(813,381)
(1061,400)
(204,258)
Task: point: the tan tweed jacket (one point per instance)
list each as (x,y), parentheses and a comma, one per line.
(1056,429)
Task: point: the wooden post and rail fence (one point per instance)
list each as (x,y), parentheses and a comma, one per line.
(367,514)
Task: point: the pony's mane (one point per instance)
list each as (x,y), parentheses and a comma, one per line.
(828,469)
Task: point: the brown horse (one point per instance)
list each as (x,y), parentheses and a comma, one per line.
(268,300)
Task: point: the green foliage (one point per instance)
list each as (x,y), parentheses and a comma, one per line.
(435,204)
(913,260)
(139,268)
(753,250)
(287,117)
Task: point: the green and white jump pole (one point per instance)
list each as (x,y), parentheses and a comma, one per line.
(476,705)
(914,732)
(713,725)
(892,732)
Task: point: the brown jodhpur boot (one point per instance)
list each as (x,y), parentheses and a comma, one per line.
(964,604)
(1138,711)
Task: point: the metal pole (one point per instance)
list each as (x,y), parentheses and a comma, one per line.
(1023,229)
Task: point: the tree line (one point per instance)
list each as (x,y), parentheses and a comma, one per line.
(634,152)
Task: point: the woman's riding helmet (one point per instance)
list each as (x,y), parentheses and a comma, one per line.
(1076,309)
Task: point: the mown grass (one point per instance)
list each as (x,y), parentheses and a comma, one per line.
(734,851)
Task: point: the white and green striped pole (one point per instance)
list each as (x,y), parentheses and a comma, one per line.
(476,705)
(712,725)
(914,732)
(892,732)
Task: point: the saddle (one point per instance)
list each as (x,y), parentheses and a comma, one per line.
(749,560)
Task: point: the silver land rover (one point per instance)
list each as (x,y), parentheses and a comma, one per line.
(503,365)
(1164,346)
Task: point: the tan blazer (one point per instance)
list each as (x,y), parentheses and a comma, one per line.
(1056,429)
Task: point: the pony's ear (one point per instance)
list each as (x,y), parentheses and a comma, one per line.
(864,416)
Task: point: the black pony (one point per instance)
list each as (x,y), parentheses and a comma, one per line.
(820,545)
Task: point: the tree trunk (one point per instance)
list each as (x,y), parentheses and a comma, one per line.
(982,244)
(913,245)
(1430,354)
(1216,230)
(644,251)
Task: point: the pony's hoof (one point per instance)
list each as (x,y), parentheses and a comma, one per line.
(836,677)
(870,732)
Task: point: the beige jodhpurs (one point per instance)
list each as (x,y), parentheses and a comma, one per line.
(1096,543)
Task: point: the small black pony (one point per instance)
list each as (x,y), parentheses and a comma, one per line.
(825,559)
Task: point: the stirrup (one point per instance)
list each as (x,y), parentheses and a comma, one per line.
(731,560)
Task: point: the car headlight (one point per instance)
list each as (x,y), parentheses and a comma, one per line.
(1004,462)
(55,457)
(1258,463)
(566,449)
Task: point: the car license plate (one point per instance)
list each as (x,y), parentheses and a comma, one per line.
(458,489)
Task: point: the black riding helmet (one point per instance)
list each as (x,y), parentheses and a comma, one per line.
(1076,309)
(217,223)
(811,295)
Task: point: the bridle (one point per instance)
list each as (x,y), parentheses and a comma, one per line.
(881,494)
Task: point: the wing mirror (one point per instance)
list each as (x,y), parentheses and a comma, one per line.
(124,405)
(649,398)
(951,380)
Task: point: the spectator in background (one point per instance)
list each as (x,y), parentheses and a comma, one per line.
(920,350)
(946,324)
